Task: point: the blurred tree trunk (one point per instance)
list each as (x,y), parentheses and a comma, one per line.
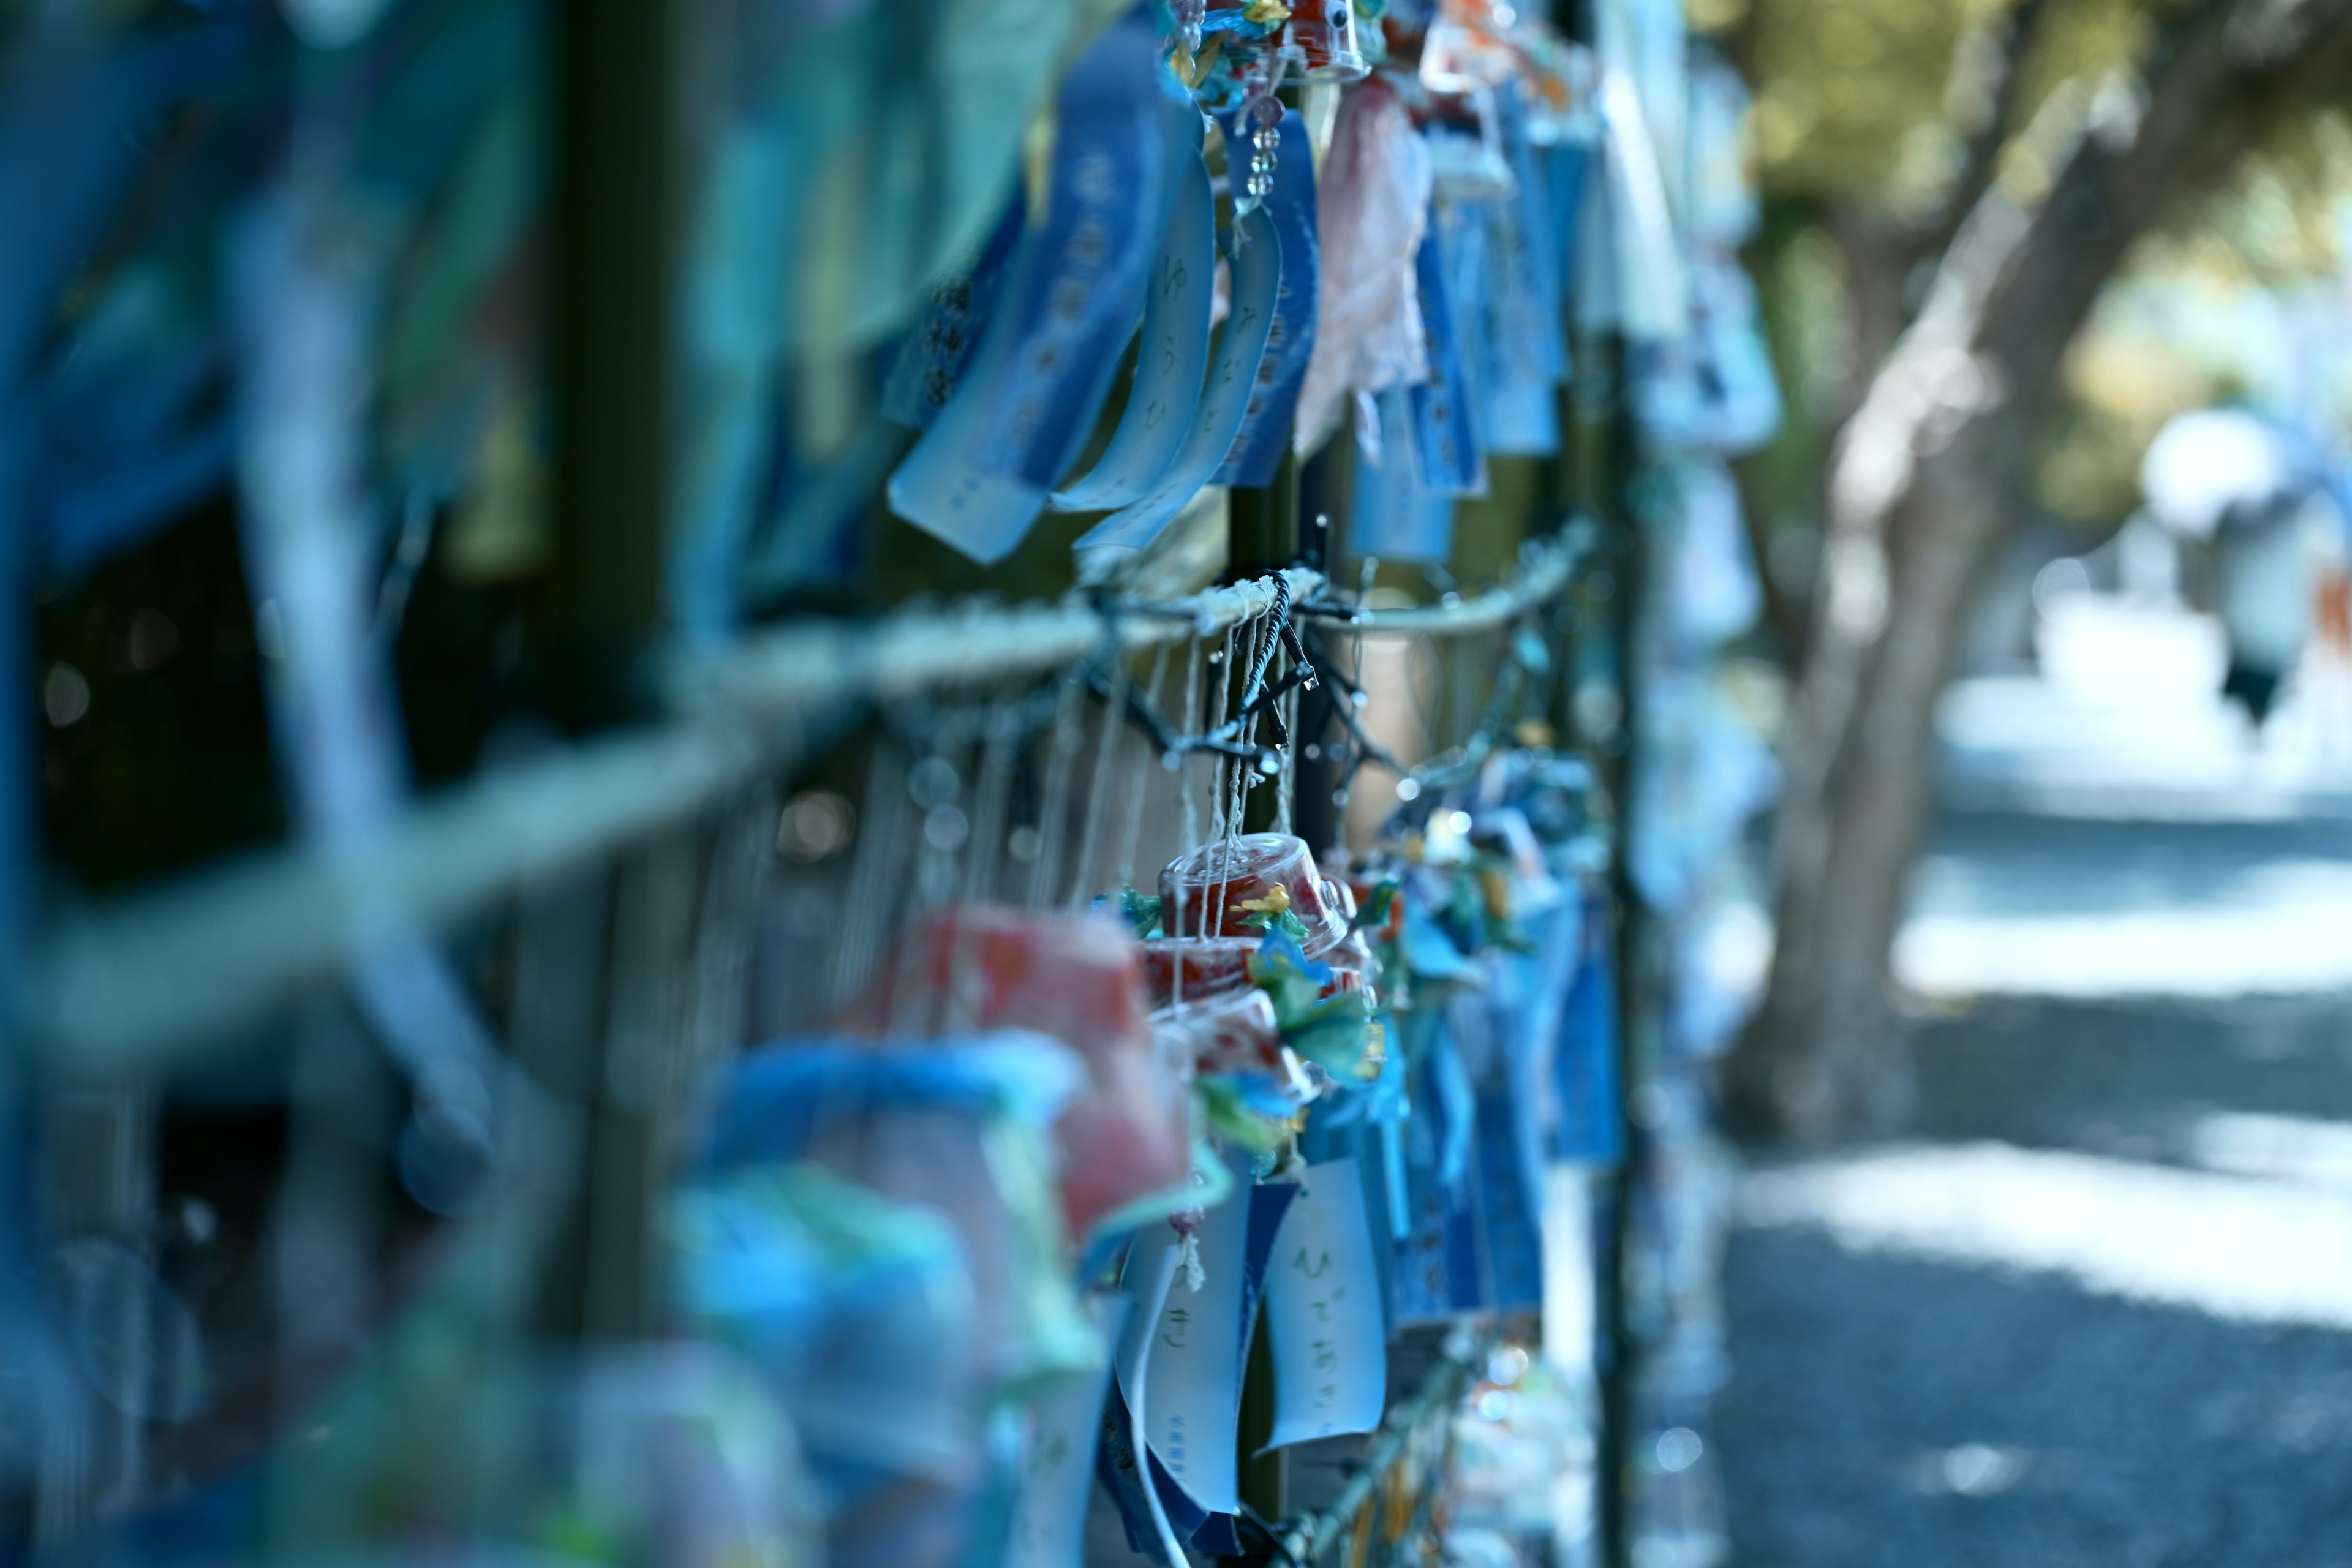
(1925,479)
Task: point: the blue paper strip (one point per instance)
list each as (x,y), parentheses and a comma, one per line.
(1323,1313)
(980,476)
(1591,1130)
(1395,516)
(1049,1518)
(1422,1277)
(1172,352)
(1444,438)
(1074,313)
(934,357)
(1512,341)
(1265,433)
(1172,347)
(1258,278)
(1538,267)
(1565,166)
(1507,1224)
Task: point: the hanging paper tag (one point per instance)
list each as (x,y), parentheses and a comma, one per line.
(1189,1403)
(1258,278)
(1050,1516)
(1437,1266)
(1076,306)
(1571,1306)
(1269,1206)
(1447,444)
(1172,348)
(1171,352)
(1290,338)
(1538,267)
(979,477)
(1323,1313)
(933,358)
(1124,1461)
(1591,1130)
(1520,353)
(1395,517)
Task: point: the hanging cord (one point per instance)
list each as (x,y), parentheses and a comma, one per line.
(1139,782)
(1054,810)
(1221,823)
(1503,709)
(1090,844)
(935,787)
(982,868)
(1286,781)
(1172,920)
(881,826)
(1226,739)
(992,801)
(1241,771)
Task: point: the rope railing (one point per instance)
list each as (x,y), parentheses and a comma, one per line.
(141,979)
(1305,1538)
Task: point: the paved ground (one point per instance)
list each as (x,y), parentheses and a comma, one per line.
(2098,1310)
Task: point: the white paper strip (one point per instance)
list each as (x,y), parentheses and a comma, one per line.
(1049,1518)
(1323,1308)
(1190,1408)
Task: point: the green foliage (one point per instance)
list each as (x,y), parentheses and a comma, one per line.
(1850,93)
(1284,920)
(1141,911)
(1375,912)
(1874,101)
(1867,112)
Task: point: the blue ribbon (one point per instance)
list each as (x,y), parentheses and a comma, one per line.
(1585,1062)
(1444,434)
(1257,270)
(1173,349)
(1397,518)
(1519,354)
(980,476)
(933,358)
(1265,425)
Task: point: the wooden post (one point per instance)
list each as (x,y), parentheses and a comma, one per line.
(601,607)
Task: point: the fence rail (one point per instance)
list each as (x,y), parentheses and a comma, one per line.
(134,982)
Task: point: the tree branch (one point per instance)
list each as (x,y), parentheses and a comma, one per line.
(1927,477)
(2221,85)
(2004,95)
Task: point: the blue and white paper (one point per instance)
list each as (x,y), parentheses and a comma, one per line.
(1446,436)
(1323,1313)
(1189,1403)
(980,476)
(933,358)
(1049,1518)
(1172,347)
(1265,425)
(1258,278)
(1125,1457)
(1396,517)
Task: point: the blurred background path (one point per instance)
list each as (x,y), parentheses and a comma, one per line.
(2096,1307)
